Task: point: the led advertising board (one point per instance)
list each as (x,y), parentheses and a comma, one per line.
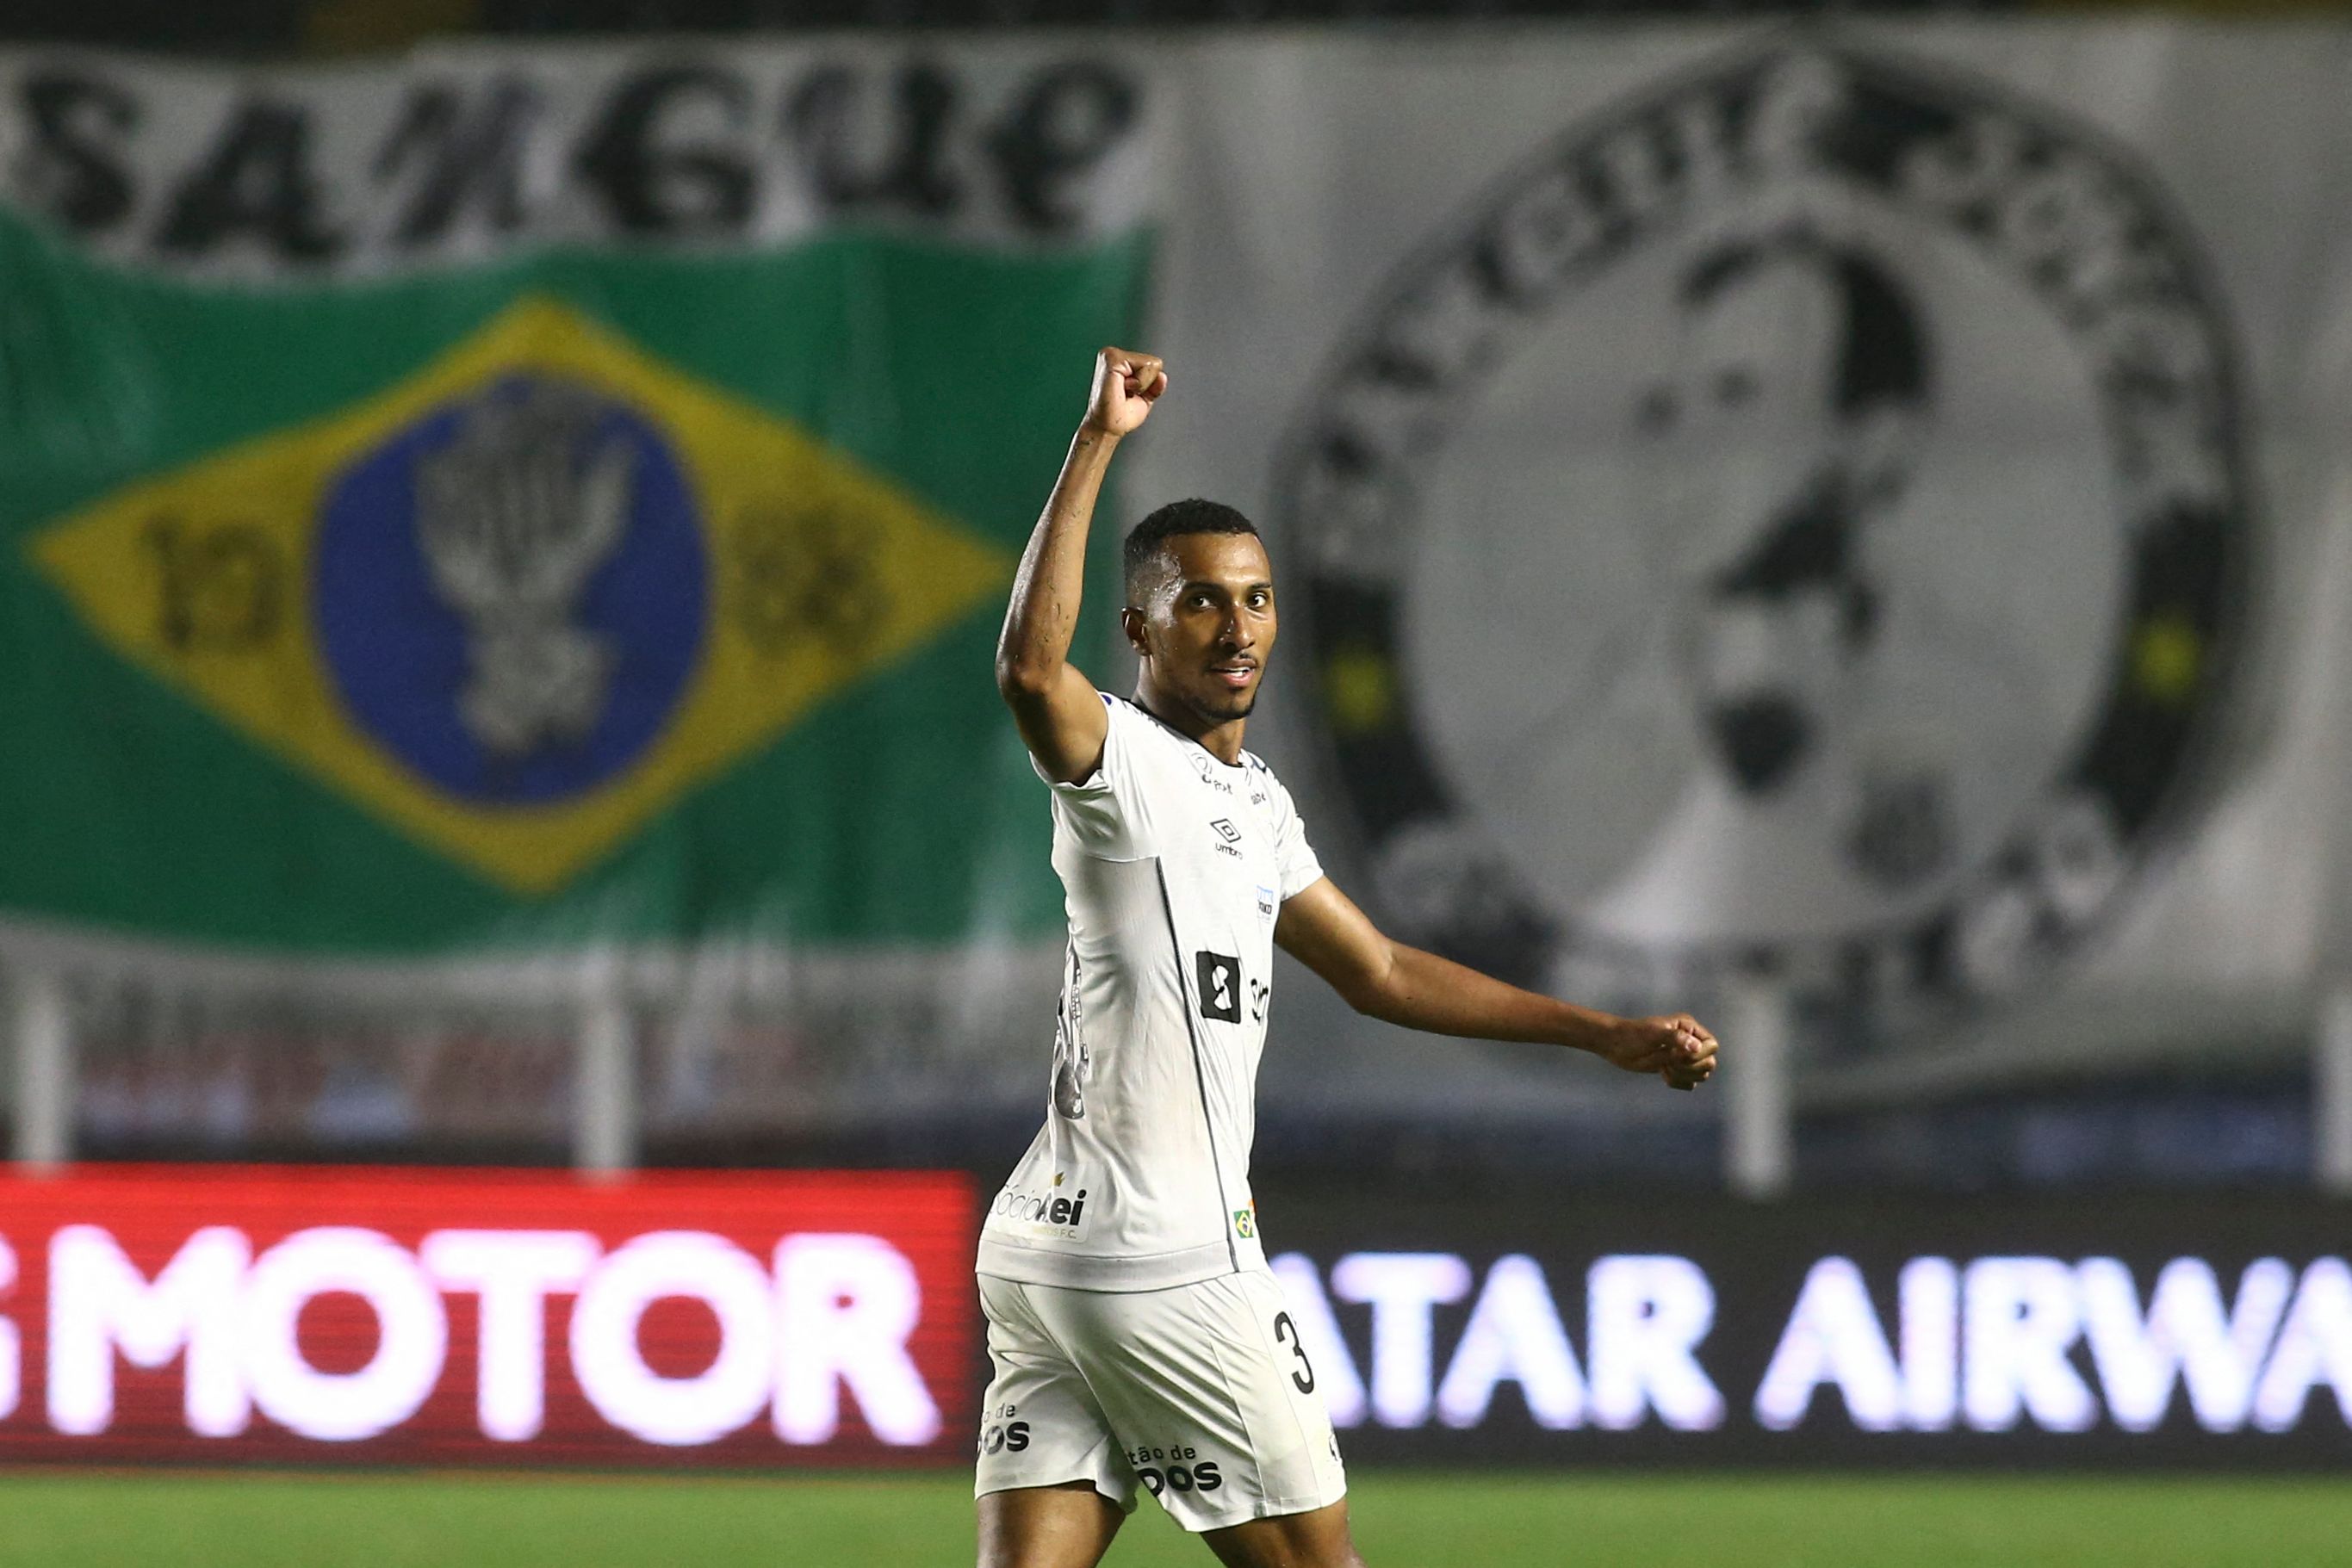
(214,1315)
(2112,1331)
(231,1315)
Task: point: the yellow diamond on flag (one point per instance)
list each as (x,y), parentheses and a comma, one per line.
(522,600)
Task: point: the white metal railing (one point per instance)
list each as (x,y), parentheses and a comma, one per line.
(2331,1096)
(1757,1080)
(605,1103)
(42,1026)
(1759,1133)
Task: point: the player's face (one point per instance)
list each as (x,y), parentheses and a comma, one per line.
(1210,624)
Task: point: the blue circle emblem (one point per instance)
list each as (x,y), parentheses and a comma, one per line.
(511,592)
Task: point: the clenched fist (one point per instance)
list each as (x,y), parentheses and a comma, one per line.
(1125,386)
(1676,1047)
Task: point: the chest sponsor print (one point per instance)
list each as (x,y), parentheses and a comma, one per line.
(1220,980)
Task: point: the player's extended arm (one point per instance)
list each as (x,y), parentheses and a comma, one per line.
(1322,928)
(1060,717)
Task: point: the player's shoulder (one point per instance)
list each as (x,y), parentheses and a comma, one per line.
(1143,736)
(1129,714)
(1263,778)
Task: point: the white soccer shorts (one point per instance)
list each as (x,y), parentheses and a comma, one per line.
(1199,1393)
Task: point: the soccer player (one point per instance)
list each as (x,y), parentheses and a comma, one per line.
(1139,1339)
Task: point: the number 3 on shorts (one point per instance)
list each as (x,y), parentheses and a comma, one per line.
(1287,1332)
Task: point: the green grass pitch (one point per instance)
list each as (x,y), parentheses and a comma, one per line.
(1403,1520)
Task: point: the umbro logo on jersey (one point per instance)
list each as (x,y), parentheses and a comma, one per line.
(1232,835)
(1221,986)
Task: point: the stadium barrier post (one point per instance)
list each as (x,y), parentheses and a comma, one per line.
(2331,1095)
(1757,1144)
(604,1097)
(45,1069)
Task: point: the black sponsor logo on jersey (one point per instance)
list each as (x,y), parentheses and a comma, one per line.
(1219,978)
(1208,768)
(1837,687)
(1041,1207)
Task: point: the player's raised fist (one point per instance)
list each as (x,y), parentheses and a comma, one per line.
(1125,386)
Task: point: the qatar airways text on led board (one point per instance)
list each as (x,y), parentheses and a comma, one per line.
(388,1316)
(1988,1345)
(1911,1332)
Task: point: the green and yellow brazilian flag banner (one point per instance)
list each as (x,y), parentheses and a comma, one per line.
(502,504)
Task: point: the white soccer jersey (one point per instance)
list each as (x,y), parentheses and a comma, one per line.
(1175,865)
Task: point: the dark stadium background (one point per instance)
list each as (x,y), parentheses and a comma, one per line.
(2162,1081)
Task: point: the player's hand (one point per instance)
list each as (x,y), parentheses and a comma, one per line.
(1674,1046)
(1125,386)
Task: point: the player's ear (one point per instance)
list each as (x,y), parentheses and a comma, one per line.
(1131,622)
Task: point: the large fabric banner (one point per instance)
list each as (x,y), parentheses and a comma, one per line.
(464,513)
(1847,513)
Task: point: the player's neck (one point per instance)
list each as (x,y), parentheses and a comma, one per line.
(1220,738)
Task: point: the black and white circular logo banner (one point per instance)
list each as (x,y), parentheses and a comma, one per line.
(1792,524)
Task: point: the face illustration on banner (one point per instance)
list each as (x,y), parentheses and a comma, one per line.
(1787,427)
(1759,555)
(1844,744)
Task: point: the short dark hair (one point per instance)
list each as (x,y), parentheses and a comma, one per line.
(1176,519)
(1882,352)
